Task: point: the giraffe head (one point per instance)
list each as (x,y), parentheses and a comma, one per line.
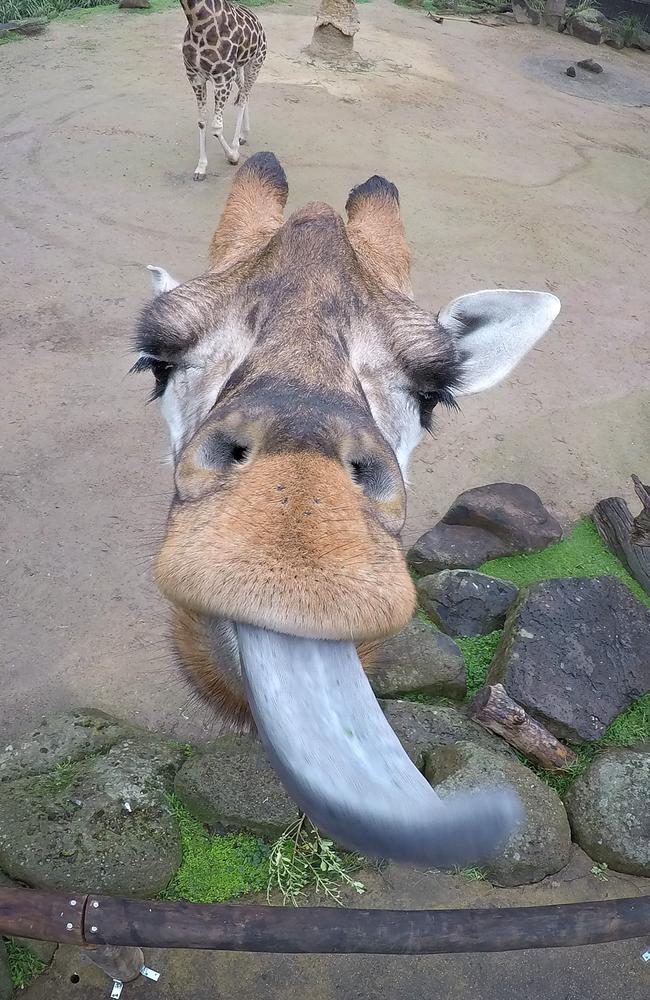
(296,376)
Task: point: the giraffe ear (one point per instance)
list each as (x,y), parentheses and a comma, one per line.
(161,280)
(253,211)
(376,232)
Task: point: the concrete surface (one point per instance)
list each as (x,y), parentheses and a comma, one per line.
(504,180)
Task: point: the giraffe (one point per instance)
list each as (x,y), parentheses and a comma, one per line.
(296,376)
(224,42)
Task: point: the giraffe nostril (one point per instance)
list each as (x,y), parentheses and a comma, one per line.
(221,451)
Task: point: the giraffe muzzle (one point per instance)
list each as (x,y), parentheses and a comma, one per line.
(343,765)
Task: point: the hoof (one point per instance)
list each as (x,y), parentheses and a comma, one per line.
(198,176)
(234,159)
(242,142)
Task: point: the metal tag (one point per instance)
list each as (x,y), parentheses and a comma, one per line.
(645,955)
(116,992)
(149,973)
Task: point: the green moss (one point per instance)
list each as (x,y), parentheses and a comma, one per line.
(24,966)
(478,652)
(583,553)
(216,868)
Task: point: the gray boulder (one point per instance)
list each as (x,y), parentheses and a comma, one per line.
(101,825)
(639,39)
(575,653)
(419,660)
(508,511)
(609,810)
(231,786)
(420,728)
(484,523)
(462,602)
(542,844)
(589,26)
(70,736)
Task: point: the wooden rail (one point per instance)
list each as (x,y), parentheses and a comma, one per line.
(105,920)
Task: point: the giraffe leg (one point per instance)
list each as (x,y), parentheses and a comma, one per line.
(247,79)
(200,90)
(246,125)
(222,88)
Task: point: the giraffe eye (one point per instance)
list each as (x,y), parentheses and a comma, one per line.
(162,372)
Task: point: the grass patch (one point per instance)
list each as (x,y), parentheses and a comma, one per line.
(75,10)
(24,966)
(478,652)
(216,868)
(583,553)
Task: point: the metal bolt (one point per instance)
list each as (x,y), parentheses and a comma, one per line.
(68,927)
(73,902)
(95,904)
(93,929)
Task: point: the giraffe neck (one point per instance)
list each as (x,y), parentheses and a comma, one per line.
(192,8)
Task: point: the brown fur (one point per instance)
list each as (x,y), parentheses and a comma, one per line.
(253,213)
(290,544)
(376,231)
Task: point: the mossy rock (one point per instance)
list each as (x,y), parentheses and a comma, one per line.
(59,739)
(232,787)
(101,825)
(542,844)
(609,810)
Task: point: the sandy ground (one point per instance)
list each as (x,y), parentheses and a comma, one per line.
(504,180)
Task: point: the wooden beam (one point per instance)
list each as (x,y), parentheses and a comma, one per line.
(321,930)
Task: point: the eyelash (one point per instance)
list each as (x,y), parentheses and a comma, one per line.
(162,372)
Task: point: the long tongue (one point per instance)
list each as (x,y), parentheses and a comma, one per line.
(342,764)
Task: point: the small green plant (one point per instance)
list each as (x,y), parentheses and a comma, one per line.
(599,871)
(629,25)
(216,868)
(24,966)
(470,874)
(301,858)
(580,7)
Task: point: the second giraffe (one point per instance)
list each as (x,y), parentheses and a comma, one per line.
(223,43)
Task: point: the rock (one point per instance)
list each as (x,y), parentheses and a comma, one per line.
(60,739)
(420,728)
(542,845)
(6,985)
(419,660)
(101,825)
(609,810)
(233,787)
(451,547)
(28,26)
(574,653)
(525,14)
(593,27)
(511,512)
(484,523)
(462,602)
(571,71)
(639,39)
(591,65)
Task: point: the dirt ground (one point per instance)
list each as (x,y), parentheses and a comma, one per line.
(504,180)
